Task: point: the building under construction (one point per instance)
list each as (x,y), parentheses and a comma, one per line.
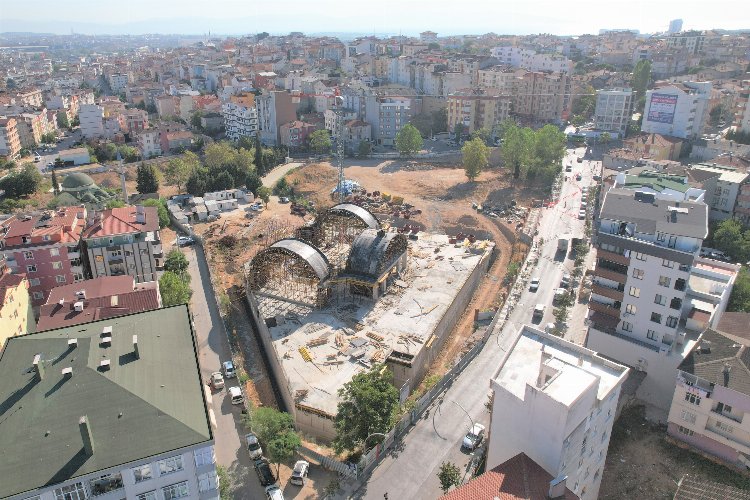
(345,294)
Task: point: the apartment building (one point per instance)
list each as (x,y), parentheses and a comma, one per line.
(91,117)
(542,97)
(387,115)
(678,110)
(477,109)
(654,146)
(84,412)
(16,315)
(149,143)
(118,82)
(723,186)
(613,111)
(356,132)
(239,120)
(294,134)
(31,98)
(529,59)
(645,249)
(10,143)
(166,105)
(555,401)
(691,41)
(742,111)
(274,109)
(711,400)
(133,121)
(675,26)
(500,78)
(122,241)
(45,247)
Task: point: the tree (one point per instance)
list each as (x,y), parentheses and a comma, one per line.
(146,179)
(161,210)
(177,173)
(253,182)
(640,81)
(584,104)
(365,149)
(114,203)
(268,422)
(440,120)
(515,149)
(408,140)
(739,301)
(716,113)
(62,120)
(484,134)
(367,405)
(55,184)
(21,183)
(195,120)
(48,138)
(260,166)
(449,475)
(423,122)
(176,262)
(731,239)
(458,131)
(605,138)
(282,447)
(476,156)
(174,290)
(129,154)
(264,194)
(320,141)
(433,46)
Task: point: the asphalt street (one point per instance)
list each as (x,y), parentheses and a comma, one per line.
(410,470)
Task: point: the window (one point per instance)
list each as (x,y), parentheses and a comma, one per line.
(628,327)
(54,252)
(31,268)
(583,445)
(37,295)
(105,484)
(664,281)
(177,490)
(631,309)
(693,399)
(149,495)
(656,317)
(724,427)
(667,263)
(75,491)
(640,256)
(684,430)
(57,265)
(204,456)
(660,236)
(638,274)
(46,237)
(635,292)
(60,278)
(28,255)
(722,408)
(34,282)
(660,299)
(672,321)
(208,481)
(688,417)
(651,335)
(142,473)
(171,464)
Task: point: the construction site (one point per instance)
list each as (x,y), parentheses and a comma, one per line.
(348,292)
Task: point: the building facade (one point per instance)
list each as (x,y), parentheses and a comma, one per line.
(149,143)
(16,316)
(678,110)
(477,109)
(614,108)
(91,117)
(239,120)
(10,143)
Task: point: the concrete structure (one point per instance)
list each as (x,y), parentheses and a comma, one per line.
(555,401)
(529,59)
(10,143)
(387,115)
(149,143)
(662,186)
(118,82)
(123,240)
(540,96)
(239,120)
(274,109)
(362,302)
(478,109)
(709,288)
(76,156)
(356,132)
(294,134)
(690,41)
(133,121)
(113,408)
(44,246)
(723,186)
(654,146)
(675,26)
(91,117)
(679,109)
(711,400)
(16,315)
(95,299)
(742,111)
(614,108)
(646,247)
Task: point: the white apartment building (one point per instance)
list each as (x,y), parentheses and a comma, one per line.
(529,59)
(91,117)
(149,143)
(86,422)
(614,108)
(646,247)
(742,113)
(556,402)
(692,41)
(239,120)
(722,185)
(118,82)
(679,109)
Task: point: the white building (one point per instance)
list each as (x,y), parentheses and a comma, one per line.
(614,108)
(646,247)
(239,120)
(118,82)
(679,110)
(556,402)
(149,143)
(91,117)
(87,423)
(529,59)
(742,113)
(722,185)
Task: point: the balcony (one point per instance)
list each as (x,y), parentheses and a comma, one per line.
(734,418)
(613,257)
(617,276)
(605,291)
(600,307)
(74,255)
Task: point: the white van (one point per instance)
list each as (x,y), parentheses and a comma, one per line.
(236,394)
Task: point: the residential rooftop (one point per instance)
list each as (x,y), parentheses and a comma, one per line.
(124,220)
(721,361)
(656,181)
(137,406)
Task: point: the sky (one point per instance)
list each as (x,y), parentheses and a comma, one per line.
(409,17)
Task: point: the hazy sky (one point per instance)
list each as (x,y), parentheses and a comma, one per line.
(382,16)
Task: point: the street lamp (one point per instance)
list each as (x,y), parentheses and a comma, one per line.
(462,409)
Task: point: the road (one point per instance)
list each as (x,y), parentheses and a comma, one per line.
(410,471)
(213,348)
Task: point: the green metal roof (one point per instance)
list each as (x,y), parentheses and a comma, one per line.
(656,181)
(138,408)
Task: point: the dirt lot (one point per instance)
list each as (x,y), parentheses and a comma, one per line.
(642,464)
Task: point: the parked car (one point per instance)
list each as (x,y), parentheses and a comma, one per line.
(265,474)
(539,310)
(274,493)
(582,214)
(534,284)
(185,241)
(253,446)
(565,281)
(299,474)
(474,437)
(228,368)
(236,395)
(37,159)
(217,380)
(283,199)
(549,327)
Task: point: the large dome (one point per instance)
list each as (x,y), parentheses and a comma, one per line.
(77,181)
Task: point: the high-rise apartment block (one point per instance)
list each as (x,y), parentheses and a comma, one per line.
(677,109)
(476,109)
(613,110)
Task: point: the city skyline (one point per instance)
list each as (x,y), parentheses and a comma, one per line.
(388,16)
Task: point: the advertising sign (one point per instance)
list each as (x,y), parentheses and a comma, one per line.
(662,108)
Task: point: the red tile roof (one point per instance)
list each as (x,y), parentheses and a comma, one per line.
(122,221)
(520,478)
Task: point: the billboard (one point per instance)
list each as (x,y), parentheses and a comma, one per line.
(662,108)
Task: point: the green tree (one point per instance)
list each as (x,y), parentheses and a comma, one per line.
(365,149)
(458,131)
(55,184)
(219,154)
(62,120)
(476,156)
(177,173)
(605,138)
(515,149)
(253,182)
(129,154)
(161,210)
(408,140)
(260,165)
(195,120)
(174,290)
(732,240)
(264,194)
(282,447)
(48,138)
(739,301)
(114,203)
(484,134)
(367,405)
(147,180)
(640,81)
(449,476)
(281,188)
(267,422)
(716,113)
(176,262)
(440,120)
(320,141)
(548,146)
(21,183)
(584,103)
